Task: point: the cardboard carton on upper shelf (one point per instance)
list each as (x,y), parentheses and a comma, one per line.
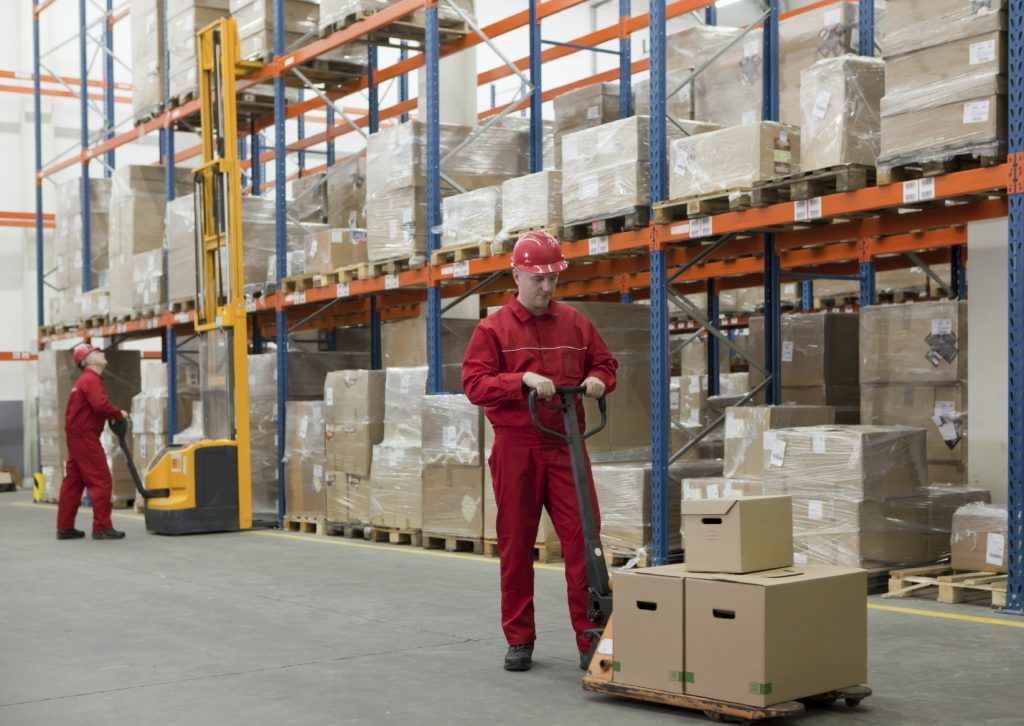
(914,24)
(532,201)
(940,410)
(330,249)
(585,108)
(914,343)
(472,217)
(977,55)
(745,427)
(738,535)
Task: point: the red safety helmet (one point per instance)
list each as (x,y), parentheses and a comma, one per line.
(82,352)
(538,252)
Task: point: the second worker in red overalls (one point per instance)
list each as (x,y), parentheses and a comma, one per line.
(534,342)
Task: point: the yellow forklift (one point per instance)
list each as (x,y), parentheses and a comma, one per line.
(206,486)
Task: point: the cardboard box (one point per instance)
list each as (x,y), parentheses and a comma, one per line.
(914,24)
(346,193)
(730,92)
(333,248)
(732,158)
(944,501)
(453,500)
(395,487)
(586,108)
(471,218)
(979,538)
(757,639)
(452,431)
(359,499)
(650,638)
(948,473)
(532,201)
(337,497)
(977,55)
(745,426)
(940,410)
(845,462)
(720,487)
(304,459)
(308,202)
(349,446)
(840,121)
(147,55)
(355,396)
(738,535)
(819,349)
(915,343)
(680,103)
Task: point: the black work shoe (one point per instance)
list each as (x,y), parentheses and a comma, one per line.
(519,657)
(108,534)
(585,659)
(70,534)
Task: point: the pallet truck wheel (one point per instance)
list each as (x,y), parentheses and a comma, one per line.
(852,702)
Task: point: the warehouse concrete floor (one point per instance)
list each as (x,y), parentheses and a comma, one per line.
(269,628)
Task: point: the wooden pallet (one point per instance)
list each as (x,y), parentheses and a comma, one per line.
(298,283)
(148,114)
(461,253)
(411,27)
(149,311)
(367,532)
(305,523)
(951,586)
(908,171)
(95,321)
(452,544)
(543,552)
(183,306)
(392,266)
(513,234)
(674,210)
(810,184)
(636,218)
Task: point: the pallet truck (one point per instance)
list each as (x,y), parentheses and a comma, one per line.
(206,486)
(598,678)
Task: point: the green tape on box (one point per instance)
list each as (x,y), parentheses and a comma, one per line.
(616,666)
(760,689)
(687,677)
(680,676)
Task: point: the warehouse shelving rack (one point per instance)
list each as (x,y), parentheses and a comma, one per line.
(849,235)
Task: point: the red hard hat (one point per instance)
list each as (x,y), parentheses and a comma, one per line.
(82,351)
(538,252)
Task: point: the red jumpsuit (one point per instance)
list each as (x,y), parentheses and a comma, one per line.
(88,410)
(531,470)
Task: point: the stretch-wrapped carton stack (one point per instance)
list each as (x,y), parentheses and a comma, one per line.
(69,306)
(147,57)
(839,112)
(471,218)
(728,91)
(732,159)
(354,421)
(336,13)
(255,19)
(305,490)
(149,428)
(404,344)
(913,365)
(533,201)
(138,204)
(184,19)
(945,80)
(452,479)
(819,361)
(336,197)
(396,208)
(979,538)
(330,249)
(583,108)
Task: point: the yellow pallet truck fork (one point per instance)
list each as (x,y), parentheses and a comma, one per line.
(598,678)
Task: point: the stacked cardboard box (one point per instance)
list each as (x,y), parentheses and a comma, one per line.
(57,375)
(147,57)
(945,80)
(338,13)
(583,108)
(67,306)
(184,19)
(354,421)
(346,193)
(979,538)
(679,102)
(396,209)
(472,217)
(839,112)
(694,403)
(858,492)
(149,428)
(392,497)
(138,203)
(308,202)
(728,92)
(453,477)
(739,622)
(404,344)
(330,249)
(531,202)
(305,491)
(819,361)
(255,19)
(732,159)
(913,366)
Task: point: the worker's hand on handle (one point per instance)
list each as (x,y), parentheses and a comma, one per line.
(124,414)
(545,387)
(594,386)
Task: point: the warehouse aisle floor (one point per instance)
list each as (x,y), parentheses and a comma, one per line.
(267,628)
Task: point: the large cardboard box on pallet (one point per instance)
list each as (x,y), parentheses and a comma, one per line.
(738,535)
(453,502)
(744,433)
(346,193)
(585,108)
(920,343)
(729,94)
(979,538)
(756,639)
(184,19)
(471,218)
(532,201)
(147,55)
(330,249)
(915,24)
(732,158)
(976,55)
(840,120)
(940,410)
(354,395)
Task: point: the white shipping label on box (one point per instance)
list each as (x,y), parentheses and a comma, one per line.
(945,408)
(337,235)
(787,351)
(312,247)
(588,187)
(329,396)
(673,400)
(712,491)
(469,507)
(799,558)
(304,428)
(821,104)
(605,647)
(734,427)
(690,493)
(751,48)
(818,444)
(976,112)
(778,453)
(984,52)
(449,437)
(403,383)
(727,489)
(942,326)
(815,509)
(682,163)
(994,546)
(769,438)
(593,112)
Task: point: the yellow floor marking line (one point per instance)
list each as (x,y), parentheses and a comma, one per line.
(947,616)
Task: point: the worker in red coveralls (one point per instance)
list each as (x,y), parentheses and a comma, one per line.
(534,342)
(88,410)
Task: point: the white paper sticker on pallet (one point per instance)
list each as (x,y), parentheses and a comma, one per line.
(984,52)
(995,544)
(976,112)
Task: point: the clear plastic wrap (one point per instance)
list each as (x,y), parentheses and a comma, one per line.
(532,201)
(403,344)
(185,19)
(341,12)
(452,431)
(979,538)
(679,105)
(263,430)
(68,236)
(148,279)
(346,193)
(396,225)
(147,54)
(845,462)
(732,159)
(395,498)
(977,55)
(693,396)
(349,446)
(728,92)
(940,410)
(256,18)
(720,487)
(95,303)
(453,500)
(304,458)
(914,24)
(693,358)
(309,198)
(840,120)
(944,502)
(585,108)
(259,240)
(354,396)
(817,350)
(403,407)
(181,249)
(472,217)
(921,343)
(745,427)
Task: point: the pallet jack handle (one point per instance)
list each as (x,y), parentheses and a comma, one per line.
(600,608)
(120,429)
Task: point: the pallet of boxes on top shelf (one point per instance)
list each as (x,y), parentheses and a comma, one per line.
(337,15)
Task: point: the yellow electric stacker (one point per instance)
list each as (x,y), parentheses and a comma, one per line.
(599,677)
(206,486)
